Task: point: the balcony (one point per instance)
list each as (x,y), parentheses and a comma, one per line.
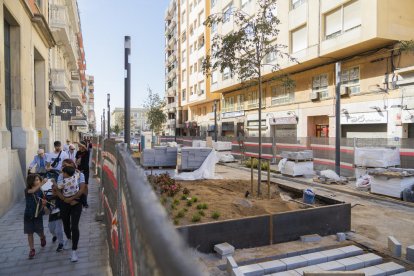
(171,123)
(76,93)
(171,92)
(62,33)
(60,82)
(172,73)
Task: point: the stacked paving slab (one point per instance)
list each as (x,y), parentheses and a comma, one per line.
(193,158)
(348,258)
(159,157)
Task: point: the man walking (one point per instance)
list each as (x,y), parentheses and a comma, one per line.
(55,158)
(39,161)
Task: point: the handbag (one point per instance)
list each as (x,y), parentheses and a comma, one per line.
(55,162)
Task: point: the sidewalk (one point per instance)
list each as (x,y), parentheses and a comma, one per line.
(92,251)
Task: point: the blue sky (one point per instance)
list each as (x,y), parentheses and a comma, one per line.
(104,25)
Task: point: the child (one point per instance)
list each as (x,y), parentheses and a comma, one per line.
(55,221)
(33,213)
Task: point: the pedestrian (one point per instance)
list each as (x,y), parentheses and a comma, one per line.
(33,213)
(55,158)
(69,189)
(82,162)
(55,220)
(66,146)
(39,161)
(72,152)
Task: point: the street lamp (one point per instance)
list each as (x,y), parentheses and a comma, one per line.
(103,128)
(215,120)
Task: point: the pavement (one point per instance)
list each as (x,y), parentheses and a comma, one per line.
(92,248)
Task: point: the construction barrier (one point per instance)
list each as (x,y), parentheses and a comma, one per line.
(141,239)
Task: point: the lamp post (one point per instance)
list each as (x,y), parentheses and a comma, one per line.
(109,115)
(103,125)
(338,118)
(127,93)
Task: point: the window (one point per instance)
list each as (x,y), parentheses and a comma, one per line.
(320,85)
(191,90)
(200,18)
(184,94)
(243,3)
(200,41)
(226,14)
(191,69)
(39,3)
(204,110)
(183,37)
(184,74)
(213,3)
(299,38)
(297,3)
(282,94)
(226,73)
(350,78)
(191,7)
(195,67)
(183,54)
(200,65)
(240,103)
(270,57)
(195,89)
(213,28)
(214,77)
(183,17)
(191,49)
(252,99)
(201,87)
(343,19)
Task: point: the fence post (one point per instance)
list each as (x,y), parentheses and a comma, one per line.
(99,216)
(251,177)
(268,178)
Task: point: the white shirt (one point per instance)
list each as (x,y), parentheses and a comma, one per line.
(53,155)
(71,155)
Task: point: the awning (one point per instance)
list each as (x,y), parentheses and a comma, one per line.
(79,123)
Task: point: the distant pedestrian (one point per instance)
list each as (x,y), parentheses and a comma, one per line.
(66,146)
(240,137)
(55,158)
(72,152)
(33,213)
(82,162)
(69,189)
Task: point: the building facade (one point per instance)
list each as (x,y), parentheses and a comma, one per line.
(376,97)
(91,104)
(138,120)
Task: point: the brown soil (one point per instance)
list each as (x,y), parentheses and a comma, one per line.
(227,197)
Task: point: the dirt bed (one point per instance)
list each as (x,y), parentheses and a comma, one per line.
(227,198)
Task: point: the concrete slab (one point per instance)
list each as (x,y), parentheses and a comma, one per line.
(332,266)
(334,254)
(391,268)
(224,249)
(310,238)
(230,264)
(394,246)
(311,268)
(352,263)
(294,262)
(372,271)
(252,270)
(407,273)
(273,266)
(286,273)
(340,237)
(370,259)
(315,258)
(410,253)
(351,250)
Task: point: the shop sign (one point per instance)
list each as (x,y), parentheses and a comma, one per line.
(407,116)
(283,121)
(232,114)
(364,118)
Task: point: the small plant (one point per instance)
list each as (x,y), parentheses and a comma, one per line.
(183,197)
(248,163)
(176,202)
(173,207)
(189,203)
(186,191)
(185,210)
(215,215)
(163,200)
(202,206)
(194,199)
(201,213)
(196,218)
(176,221)
(180,214)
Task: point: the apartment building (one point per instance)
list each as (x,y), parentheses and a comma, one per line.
(138,119)
(67,69)
(375,87)
(91,104)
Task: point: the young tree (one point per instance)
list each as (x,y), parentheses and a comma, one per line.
(244,50)
(117,129)
(155,114)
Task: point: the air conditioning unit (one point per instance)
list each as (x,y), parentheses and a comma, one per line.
(314,96)
(345,91)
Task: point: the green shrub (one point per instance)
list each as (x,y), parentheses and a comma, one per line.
(186,191)
(215,215)
(248,164)
(185,210)
(189,203)
(176,202)
(180,214)
(194,199)
(183,197)
(196,218)
(176,221)
(201,213)
(202,206)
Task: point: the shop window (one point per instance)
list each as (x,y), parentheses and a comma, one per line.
(320,85)
(343,19)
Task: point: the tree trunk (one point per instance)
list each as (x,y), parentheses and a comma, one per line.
(259,177)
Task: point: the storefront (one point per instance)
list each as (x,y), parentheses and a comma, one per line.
(282,127)
(229,120)
(407,119)
(364,124)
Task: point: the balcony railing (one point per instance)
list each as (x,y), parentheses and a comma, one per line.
(60,81)
(76,92)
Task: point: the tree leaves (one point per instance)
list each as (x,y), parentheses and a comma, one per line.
(155,114)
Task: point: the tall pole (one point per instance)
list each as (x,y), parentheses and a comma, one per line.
(127,105)
(109,115)
(101,126)
(338,118)
(259,165)
(103,130)
(215,120)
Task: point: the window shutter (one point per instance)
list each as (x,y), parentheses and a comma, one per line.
(333,22)
(299,39)
(352,15)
